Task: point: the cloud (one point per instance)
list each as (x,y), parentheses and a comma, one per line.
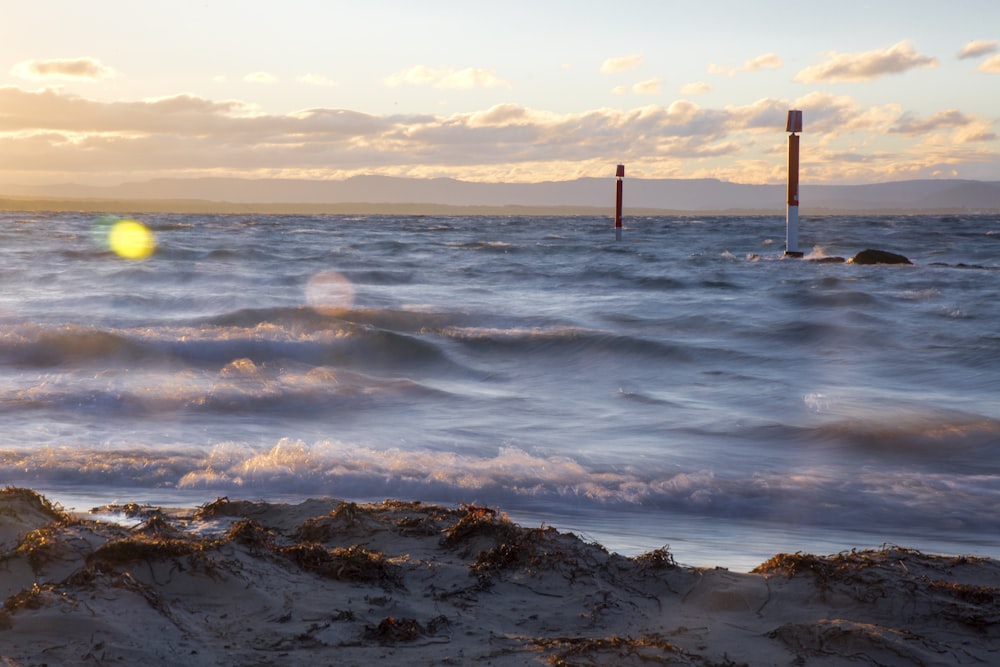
(950,118)
(761,62)
(261,77)
(621,63)
(977,48)
(648,87)
(53,136)
(764,61)
(846,67)
(316,80)
(446,78)
(991,65)
(77,69)
(695,88)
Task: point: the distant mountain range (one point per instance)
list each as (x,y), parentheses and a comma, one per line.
(586,195)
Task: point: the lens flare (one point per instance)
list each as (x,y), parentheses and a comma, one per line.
(329,292)
(131,239)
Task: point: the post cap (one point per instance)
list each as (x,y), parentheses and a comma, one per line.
(620,173)
(794,123)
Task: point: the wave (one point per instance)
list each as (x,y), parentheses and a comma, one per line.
(298,335)
(808,496)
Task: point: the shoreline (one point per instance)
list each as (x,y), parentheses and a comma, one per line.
(240,582)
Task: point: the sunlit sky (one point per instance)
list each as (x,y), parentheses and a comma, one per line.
(111,91)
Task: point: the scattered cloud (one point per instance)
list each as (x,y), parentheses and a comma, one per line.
(695,88)
(950,118)
(446,78)
(621,63)
(316,80)
(764,61)
(761,62)
(648,87)
(865,66)
(261,77)
(76,69)
(991,65)
(620,90)
(977,48)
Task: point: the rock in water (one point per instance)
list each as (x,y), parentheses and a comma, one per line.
(878,257)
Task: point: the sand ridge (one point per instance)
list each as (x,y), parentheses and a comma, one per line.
(331,582)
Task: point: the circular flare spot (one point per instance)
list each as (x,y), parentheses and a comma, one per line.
(131,239)
(329,292)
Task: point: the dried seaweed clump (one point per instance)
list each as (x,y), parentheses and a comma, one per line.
(148,547)
(657,559)
(346,564)
(29,598)
(251,534)
(221,506)
(480,522)
(392,630)
(37,501)
(523,548)
(850,566)
(41,547)
(608,650)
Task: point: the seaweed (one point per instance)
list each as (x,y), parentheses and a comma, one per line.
(251,534)
(393,630)
(477,522)
(606,650)
(520,549)
(40,547)
(657,559)
(221,506)
(29,598)
(148,548)
(345,564)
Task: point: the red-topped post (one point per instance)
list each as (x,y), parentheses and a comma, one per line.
(793,125)
(619,174)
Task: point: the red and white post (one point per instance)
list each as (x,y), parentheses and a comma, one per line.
(619,174)
(793,126)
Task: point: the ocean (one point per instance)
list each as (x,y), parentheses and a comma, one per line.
(688,386)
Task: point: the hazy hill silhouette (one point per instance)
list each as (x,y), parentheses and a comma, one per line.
(693,195)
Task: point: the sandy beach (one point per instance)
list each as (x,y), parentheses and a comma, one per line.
(329,582)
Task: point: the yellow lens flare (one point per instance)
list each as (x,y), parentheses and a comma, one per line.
(131,239)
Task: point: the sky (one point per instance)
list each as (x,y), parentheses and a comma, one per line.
(110,91)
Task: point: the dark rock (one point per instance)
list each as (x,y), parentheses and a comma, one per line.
(828,260)
(878,257)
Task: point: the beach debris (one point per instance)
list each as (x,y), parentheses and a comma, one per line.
(247,589)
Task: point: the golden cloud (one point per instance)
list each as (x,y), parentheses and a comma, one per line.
(621,63)
(991,65)
(76,69)
(847,67)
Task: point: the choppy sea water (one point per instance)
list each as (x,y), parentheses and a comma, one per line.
(687,386)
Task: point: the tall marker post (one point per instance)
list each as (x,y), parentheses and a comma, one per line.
(619,174)
(793,125)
